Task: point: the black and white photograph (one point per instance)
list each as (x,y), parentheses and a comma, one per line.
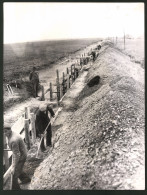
(73,96)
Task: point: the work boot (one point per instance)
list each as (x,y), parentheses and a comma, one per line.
(26,180)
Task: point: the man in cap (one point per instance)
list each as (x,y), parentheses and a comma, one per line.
(34,78)
(41,123)
(19,155)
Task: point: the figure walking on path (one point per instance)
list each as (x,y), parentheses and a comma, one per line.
(34,78)
(19,156)
(42,120)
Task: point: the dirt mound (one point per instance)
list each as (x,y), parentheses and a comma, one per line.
(100,145)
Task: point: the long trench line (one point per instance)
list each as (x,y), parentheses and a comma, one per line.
(68,100)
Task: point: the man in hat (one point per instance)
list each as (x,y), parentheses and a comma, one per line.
(34,78)
(19,155)
(93,53)
(42,123)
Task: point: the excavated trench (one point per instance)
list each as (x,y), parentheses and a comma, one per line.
(99,134)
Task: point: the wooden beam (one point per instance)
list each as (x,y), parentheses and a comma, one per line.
(27,137)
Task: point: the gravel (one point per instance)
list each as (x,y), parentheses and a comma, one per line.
(99,135)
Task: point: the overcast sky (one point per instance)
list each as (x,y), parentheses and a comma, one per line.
(41,21)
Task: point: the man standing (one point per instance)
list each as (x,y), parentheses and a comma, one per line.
(19,155)
(93,53)
(42,122)
(34,78)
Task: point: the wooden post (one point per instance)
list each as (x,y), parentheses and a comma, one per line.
(32,118)
(26,113)
(81,62)
(58,87)
(71,75)
(124,40)
(5,153)
(67,70)
(58,84)
(74,73)
(61,91)
(42,88)
(68,82)
(27,137)
(63,83)
(51,92)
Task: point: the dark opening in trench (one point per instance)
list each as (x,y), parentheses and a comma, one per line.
(94,81)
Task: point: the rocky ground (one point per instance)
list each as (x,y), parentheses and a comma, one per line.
(99,135)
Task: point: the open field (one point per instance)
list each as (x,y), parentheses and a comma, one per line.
(46,56)
(21,57)
(133,48)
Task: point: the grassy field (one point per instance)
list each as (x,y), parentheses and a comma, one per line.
(21,57)
(133,48)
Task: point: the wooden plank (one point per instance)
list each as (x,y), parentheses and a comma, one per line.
(7,174)
(5,153)
(26,113)
(58,87)
(27,137)
(18,125)
(67,70)
(42,89)
(33,130)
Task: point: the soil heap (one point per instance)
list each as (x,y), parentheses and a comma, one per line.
(99,135)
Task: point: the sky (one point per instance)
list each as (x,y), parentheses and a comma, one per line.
(24,22)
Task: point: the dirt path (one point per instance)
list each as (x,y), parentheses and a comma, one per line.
(47,75)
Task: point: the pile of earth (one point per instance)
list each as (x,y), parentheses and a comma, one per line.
(99,138)
(112,124)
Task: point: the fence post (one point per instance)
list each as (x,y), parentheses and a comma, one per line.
(42,88)
(58,87)
(26,128)
(26,113)
(27,137)
(74,72)
(63,83)
(68,82)
(61,91)
(32,118)
(81,62)
(51,92)
(67,70)
(6,158)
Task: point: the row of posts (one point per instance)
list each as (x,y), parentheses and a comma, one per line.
(67,80)
(29,118)
(65,83)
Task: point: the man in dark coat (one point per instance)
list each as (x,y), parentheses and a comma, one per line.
(19,156)
(41,123)
(93,53)
(34,78)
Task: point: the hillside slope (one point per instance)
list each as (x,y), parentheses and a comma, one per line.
(99,135)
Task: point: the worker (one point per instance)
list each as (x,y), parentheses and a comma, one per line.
(19,156)
(42,123)
(34,78)
(93,53)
